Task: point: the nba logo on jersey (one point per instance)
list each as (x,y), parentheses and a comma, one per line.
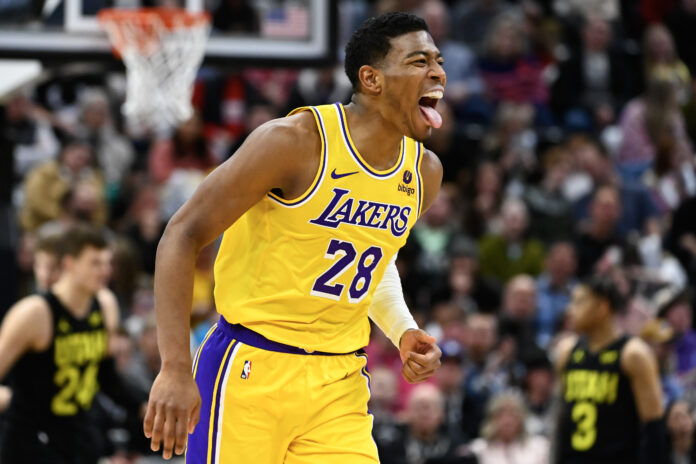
(246,372)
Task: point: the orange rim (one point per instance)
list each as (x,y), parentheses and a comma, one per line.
(171,18)
(148,23)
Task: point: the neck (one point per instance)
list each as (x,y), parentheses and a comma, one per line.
(682,443)
(603,334)
(424,435)
(604,174)
(589,50)
(558,283)
(375,137)
(449,390)
(74,298)
(600,230)
(537,398)
(512,239)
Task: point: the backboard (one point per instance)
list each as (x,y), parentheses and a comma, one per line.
(264,31)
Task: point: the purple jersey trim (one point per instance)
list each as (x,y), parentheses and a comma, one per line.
(251,338)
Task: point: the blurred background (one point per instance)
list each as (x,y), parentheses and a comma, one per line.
(567,147)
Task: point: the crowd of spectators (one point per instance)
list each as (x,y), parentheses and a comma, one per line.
(567,147)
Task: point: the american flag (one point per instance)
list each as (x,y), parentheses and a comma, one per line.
(286,22)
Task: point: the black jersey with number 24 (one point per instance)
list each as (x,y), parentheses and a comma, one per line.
(53,389)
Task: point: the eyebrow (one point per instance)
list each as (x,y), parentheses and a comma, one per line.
(422,52)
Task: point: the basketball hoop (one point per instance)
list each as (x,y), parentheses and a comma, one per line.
(162,49)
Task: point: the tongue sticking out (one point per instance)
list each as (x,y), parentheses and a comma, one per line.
(431,115)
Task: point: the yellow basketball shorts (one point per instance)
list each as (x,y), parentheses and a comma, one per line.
(268,403)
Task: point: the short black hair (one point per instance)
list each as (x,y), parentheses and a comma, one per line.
(371,42)
(603,285)
(80,236)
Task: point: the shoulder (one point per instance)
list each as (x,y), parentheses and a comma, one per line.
(491,242)
(535,247)
(682,70)
(637,359)
(478,445)
(285,140)
(635,350)
(537,444)
(562,351)
(31,319)
(537,448)
(634,108)
(48,168)
(30,307)
(276,153)
(300,129)
(431,172)
(431,165)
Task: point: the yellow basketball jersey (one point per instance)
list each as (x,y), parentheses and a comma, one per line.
(303,272)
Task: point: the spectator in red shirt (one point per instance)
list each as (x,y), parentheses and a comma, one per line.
(187,149)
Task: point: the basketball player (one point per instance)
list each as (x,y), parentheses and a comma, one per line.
(611,394)
(56,342)
(46,272)
(313,208)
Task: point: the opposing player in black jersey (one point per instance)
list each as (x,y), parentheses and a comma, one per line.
(57,342)
(611,397)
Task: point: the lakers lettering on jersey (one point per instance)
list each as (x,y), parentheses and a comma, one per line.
(302,271)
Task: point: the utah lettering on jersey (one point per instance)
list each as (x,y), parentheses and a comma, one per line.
(363,213)
(595,386)
(80,348)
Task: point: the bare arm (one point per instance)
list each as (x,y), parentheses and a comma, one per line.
(562,353)
(5,398)
(274,156)
(640,365)
(26,327)
(109,307)
(419,351)
(282,154)
(431,169)
(110,380)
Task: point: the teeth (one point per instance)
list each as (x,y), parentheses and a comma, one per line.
(437,94)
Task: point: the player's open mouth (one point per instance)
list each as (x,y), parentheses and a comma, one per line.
(427,105)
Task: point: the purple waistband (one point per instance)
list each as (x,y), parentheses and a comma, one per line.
(251,338)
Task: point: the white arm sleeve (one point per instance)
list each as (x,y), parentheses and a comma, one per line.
(388,308)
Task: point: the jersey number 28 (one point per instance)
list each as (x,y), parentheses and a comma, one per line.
(324,285)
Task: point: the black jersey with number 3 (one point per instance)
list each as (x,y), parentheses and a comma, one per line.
(599,421)
(52,389)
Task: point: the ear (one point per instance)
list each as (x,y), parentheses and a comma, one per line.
(66,263)
(371,79)
(603,306)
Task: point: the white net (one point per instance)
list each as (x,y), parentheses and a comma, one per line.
(162,50)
